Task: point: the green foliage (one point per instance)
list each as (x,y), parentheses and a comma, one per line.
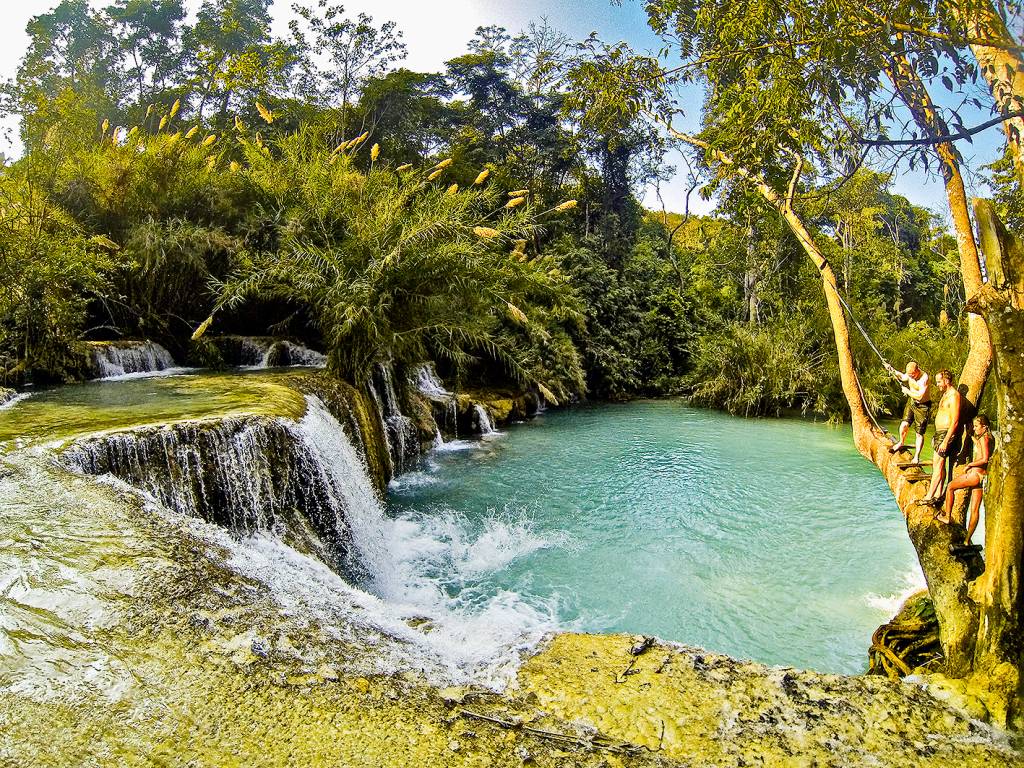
(49,270)
(402,266)
(206,202)
(755,370)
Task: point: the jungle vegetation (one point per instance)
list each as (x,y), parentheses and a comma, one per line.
(178,170)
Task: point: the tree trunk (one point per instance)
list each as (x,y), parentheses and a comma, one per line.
(999,651)
(915,95)
(751,275)
(946,576)
(1002,68)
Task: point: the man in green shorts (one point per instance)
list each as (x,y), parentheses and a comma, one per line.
(918,410)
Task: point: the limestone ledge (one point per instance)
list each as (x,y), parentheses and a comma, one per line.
(163,652)
(703,708)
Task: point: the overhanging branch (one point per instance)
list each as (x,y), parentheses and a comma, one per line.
(931,140)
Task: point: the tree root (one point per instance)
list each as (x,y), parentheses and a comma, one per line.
(909,642)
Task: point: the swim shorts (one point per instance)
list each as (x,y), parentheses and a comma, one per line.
(919,414)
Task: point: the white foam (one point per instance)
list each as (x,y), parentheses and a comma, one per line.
(15,400)
(912,581)
(421,568)
(175,371)
(455,445)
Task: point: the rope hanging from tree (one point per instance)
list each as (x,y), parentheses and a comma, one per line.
(874,348)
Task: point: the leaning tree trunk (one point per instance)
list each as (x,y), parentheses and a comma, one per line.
(915,95)
(947,577)
(999,651)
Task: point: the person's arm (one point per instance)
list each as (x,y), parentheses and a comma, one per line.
(917,387)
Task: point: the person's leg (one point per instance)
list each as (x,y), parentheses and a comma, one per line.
(918,445)
(964,481)
(972,523)
(904,428)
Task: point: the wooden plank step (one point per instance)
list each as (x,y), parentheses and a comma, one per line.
(911,464)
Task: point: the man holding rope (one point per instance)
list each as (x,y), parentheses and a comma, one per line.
(918,410)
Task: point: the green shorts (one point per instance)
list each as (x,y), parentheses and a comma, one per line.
(918,415)
(954,443)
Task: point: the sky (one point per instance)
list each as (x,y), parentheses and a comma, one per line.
(439,30)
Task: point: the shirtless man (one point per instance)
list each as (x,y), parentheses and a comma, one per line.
(972,478)
(946,442)
(918,410)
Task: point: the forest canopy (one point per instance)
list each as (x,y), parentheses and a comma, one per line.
(178,170)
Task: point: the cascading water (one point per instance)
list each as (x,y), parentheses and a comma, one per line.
(399,430)
(429,383)
(283,486)
(483,421)
(267,352)
(430,386)
(247,474)
(110,359)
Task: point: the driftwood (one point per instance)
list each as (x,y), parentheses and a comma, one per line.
(596,741)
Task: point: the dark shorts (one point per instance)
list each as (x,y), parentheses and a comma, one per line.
(918,415)
(954,443)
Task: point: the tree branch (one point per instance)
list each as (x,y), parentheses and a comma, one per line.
(931,140)
(944,37)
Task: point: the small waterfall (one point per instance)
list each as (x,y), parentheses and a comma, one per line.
(429,383)
(399,430)
(430,386)
(267,352)
(483,420)
(247,474)
(122,358)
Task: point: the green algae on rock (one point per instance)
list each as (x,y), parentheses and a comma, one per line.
(60,414)
(703,708)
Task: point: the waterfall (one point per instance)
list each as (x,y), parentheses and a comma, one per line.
(430,386)
(245,473)
(429,383)
(267,352)
(111,359)
(483,420)
(399,430)
(282,486)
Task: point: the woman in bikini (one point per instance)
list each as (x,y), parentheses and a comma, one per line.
(973,476)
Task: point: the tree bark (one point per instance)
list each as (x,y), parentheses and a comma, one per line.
(999,651)
(915,95)
(1002,67)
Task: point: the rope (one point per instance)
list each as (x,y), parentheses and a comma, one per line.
(867,338)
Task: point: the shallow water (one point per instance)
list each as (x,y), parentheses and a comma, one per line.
(62,412)
(765,539)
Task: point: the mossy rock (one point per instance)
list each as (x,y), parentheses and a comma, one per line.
(6,395)
(204,353)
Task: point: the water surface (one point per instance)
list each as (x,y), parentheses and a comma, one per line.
(765,539)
